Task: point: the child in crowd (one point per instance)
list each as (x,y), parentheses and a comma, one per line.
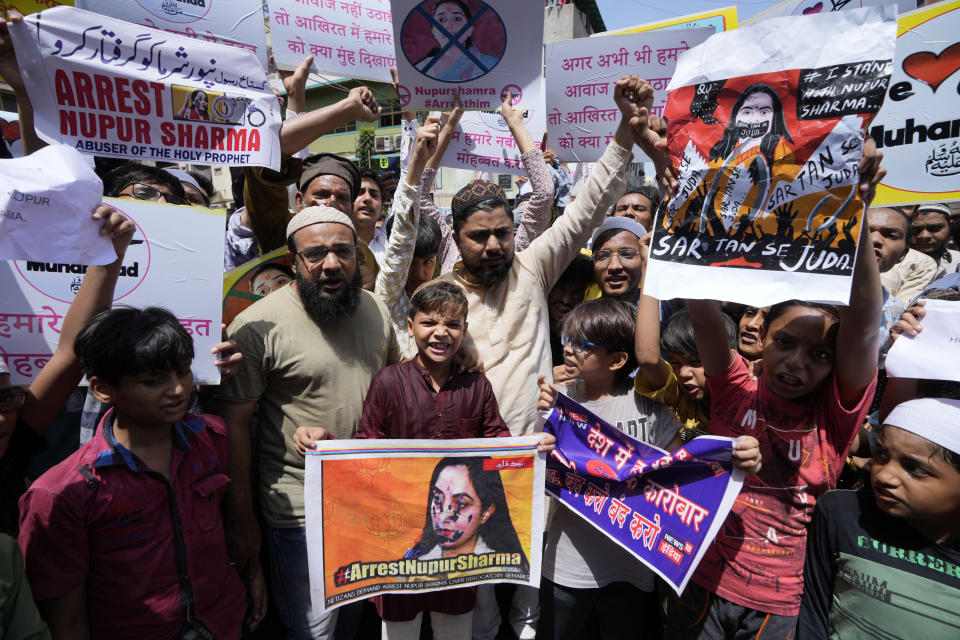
(819,373)
(583,572)
(423,398)
(124,538)
(749,327)
(884,562)
(931,236)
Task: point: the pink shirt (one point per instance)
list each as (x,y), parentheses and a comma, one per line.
(757,557)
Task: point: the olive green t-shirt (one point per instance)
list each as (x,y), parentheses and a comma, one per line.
(303,374)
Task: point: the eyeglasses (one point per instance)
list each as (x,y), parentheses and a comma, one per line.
(12,398)
(316,255)
(626,256)
(146,192)
(577,345)
(636,206)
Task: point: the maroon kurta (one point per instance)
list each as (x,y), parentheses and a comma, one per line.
(401,403)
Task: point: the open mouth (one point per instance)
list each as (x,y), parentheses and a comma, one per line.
(790,381)
(177,406)
(885,498)
(438,348)
(748,338)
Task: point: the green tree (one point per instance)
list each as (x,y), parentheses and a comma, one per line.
(365,147)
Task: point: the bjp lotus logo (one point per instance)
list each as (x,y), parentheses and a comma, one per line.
(370,467)
(384,525)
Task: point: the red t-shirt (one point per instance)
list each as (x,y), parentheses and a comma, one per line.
(111,526)
(757,557)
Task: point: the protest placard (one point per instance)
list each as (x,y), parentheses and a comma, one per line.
(580,78)
(723,19)
(809,7)
(375,523)
(767,145)
(53,188)
(165,266)
(252,280)
(116,89)
(934,353)
(350,38)
(482,141)
(918,128)
(664,508)
(27,7)
(483,51)
(235,23)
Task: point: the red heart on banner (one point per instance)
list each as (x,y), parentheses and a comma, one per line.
(817,8)
(10,130)
(931,68)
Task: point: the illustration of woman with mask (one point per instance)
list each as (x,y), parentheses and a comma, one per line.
(467,512)
(454,65)
(195,107)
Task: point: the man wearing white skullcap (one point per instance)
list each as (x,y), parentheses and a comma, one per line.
(884,562)
(310,350)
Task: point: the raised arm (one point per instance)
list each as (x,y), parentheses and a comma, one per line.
(536,215)
(857,336)
(298,132)
(710,333)
(60,376)
(448,254)
(651,365)
(10,71)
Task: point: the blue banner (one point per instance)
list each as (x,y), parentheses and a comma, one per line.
(664,508)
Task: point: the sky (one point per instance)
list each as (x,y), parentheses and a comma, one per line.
(626,13)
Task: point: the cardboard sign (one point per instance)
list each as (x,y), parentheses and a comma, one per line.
(582,117)
(664,508)
(349,38)
(113,88)
(235,23)
(767,145)
(493,47)
(723,19)
(373,525)
(812,7)
(482,142)
(163,267)
(933,353)
(918,128)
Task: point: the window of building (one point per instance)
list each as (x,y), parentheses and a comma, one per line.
(345,128)
(391,114)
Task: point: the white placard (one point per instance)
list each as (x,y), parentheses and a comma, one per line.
(46,199)
(812,7)
(237,23)
(934,353)
(581,74)
(483,142)
(164,266)
(113,88)
(352,38)
(493,47)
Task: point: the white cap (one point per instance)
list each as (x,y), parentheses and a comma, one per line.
(183,176)
(622,223)
(936,419)
(317,215)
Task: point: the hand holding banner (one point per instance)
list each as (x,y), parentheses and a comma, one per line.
(663,508)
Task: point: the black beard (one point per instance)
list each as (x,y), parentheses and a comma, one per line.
(487,275)
(324,309)
(752,129)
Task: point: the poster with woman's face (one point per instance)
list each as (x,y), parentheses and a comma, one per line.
(768,206)
(253,280)
(481,48)
(405,516)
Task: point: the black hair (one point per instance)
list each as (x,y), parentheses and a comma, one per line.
(578,273)
(127,341)
(439,296)
(677,336)
(466,12)
(952,458)
(205,185)
(484,204)
(120,178)
(607,323)
(266,266)
(649,192)
(498,531)
(372,174)
(428,236)
(777,310)
(778,128)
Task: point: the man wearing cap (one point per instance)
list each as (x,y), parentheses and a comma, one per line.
(310,350)
(616,258)
(931,235)
(507,293)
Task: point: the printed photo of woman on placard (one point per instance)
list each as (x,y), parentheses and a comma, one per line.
(453,40)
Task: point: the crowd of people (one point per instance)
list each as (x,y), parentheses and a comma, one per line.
(181,511)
